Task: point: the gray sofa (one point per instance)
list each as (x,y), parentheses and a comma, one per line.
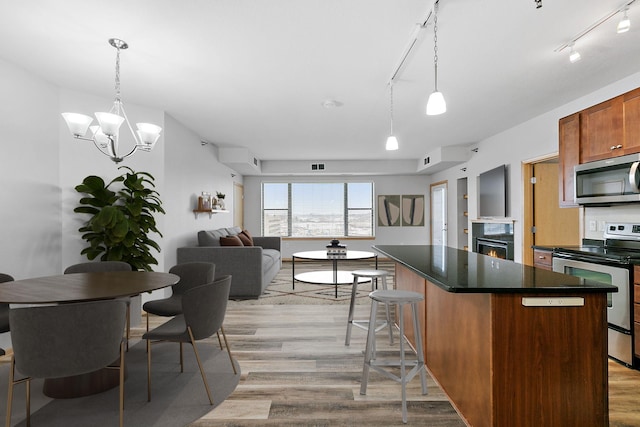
(252,267)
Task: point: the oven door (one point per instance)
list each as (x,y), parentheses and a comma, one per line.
(618,303)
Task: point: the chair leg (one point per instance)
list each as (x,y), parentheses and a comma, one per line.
(121,409)
(226,343)
(148,371)
(219,341)
(128,323)
(204,377)
(181,359)
(10,392)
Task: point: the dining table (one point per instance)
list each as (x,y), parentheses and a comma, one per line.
(78,287)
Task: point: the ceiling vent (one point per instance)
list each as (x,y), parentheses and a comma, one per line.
(240,160)
(442,158)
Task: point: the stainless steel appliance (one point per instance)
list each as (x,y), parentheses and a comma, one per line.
(608,181)
(610,261)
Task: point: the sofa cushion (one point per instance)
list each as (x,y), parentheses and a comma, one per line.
(272,254)
(230,241)
(233,231)
(247,241)
(211,237)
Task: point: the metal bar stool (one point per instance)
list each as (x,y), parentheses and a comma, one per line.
(364,324)
(400,299)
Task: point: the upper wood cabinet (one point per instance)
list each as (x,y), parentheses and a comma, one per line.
(631,114)
(602,133)
(606,130)
(569,156)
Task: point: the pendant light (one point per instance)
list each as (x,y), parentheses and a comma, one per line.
(436,103)
(625,23)
(392,141)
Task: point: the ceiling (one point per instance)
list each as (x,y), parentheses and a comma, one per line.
(255,74)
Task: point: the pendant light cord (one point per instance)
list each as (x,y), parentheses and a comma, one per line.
(391,106)
(435,43)
(118,74)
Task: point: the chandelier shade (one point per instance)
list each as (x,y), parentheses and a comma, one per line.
(106,134)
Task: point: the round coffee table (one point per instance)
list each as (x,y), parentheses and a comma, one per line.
(334,276)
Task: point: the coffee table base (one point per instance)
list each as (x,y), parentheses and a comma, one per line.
(329,277)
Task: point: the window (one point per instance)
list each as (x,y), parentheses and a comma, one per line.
(309,209)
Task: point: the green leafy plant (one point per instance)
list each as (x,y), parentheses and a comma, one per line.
(219,195)
(121,220)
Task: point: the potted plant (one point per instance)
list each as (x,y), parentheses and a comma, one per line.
(121,220)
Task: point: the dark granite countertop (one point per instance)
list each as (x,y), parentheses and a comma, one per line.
(456,270)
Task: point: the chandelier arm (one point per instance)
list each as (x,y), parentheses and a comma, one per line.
(133,133)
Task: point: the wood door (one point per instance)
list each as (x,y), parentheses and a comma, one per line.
(553,225)
(631,106)
(601,131)
(569,156)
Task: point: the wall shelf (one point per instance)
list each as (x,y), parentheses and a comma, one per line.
(196,212)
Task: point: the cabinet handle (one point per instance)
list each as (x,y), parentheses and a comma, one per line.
(541,257)
(619,146)
(614,147)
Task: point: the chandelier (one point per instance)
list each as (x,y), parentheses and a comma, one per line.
(105,135)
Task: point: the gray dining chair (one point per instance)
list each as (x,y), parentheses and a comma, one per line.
(4,310)
(100,266)
(50,342)
(203,311)
(191,274)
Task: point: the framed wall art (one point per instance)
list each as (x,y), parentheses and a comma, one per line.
(389,211)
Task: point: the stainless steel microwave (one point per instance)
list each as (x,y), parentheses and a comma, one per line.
(608,181)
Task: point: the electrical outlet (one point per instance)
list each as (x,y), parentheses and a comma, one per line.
(592,225)
(601,225)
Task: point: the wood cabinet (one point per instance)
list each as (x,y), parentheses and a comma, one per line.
(542,259)
(569,156)
(636,310)
(608,129)
(602,134)
(631,114)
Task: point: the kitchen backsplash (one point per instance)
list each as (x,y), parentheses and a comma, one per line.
(596,217)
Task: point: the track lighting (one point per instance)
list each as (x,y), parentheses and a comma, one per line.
(623,26)
(574,55)
(625,23)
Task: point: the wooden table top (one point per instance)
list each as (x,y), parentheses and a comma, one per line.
(83,286)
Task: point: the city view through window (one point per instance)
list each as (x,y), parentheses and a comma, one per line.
(317,209)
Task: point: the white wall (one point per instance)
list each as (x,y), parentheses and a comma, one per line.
(530,140)
(29,175)
(383,184)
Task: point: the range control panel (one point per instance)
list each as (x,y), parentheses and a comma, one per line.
(624,231)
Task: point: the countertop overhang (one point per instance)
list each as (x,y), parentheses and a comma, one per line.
(456,270)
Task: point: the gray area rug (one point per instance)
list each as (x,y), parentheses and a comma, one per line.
(177,399)
(281,291)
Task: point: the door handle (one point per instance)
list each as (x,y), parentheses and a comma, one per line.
(634,177)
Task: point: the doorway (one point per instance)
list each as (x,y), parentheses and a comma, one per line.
(439,213)
(545,222)
(238,205)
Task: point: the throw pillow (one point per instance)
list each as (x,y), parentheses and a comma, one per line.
(247,241)
(248,236)
(230,241)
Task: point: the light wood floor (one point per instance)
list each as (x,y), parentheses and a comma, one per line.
(296,370)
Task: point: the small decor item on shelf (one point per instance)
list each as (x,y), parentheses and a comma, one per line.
(336,249)
(220,197)
(204,201)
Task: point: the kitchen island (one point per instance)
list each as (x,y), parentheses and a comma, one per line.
(511,345)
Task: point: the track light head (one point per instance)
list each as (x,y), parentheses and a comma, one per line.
(624,24)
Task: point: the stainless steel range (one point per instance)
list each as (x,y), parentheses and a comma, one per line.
(611,261)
